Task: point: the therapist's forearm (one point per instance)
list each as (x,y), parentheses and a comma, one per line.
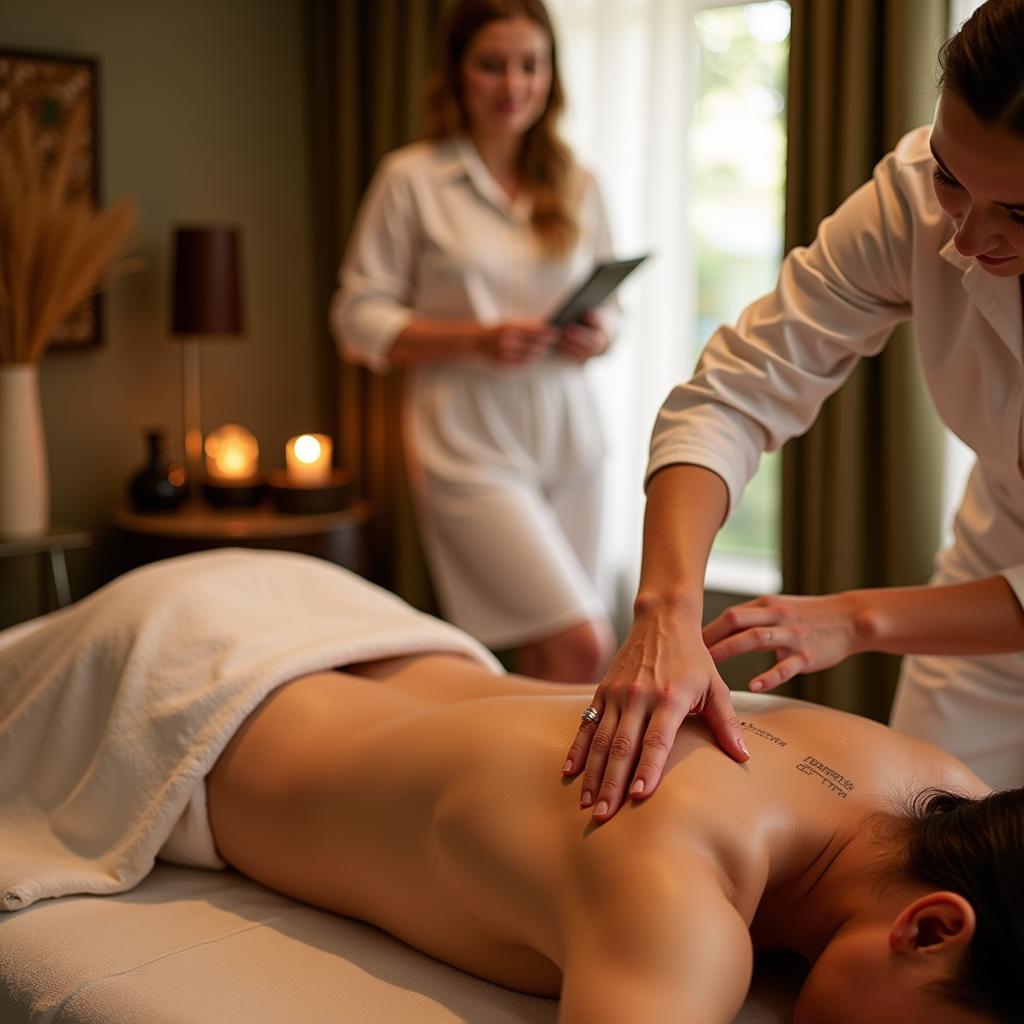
(982,617)
(686,505)
(434,341)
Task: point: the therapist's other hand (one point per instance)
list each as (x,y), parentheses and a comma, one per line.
(517,341)
(662,674)
(583,340)
(807,634)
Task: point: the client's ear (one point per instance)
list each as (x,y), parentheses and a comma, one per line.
(936,923)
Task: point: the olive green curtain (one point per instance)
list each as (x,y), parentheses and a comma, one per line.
(368,61)
(862,489)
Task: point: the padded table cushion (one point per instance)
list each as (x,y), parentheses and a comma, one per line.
(207,947)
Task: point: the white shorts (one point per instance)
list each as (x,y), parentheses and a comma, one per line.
(507,474)
(191,842)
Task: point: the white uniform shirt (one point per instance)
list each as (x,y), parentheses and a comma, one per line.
(438,238)
(885,256)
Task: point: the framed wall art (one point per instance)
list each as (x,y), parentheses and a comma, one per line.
(49,86)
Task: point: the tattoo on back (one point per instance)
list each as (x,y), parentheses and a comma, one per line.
(763,733)
(837,783)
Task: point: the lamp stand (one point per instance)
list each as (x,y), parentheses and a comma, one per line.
(192,418)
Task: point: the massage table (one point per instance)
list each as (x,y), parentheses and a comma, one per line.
(211,947)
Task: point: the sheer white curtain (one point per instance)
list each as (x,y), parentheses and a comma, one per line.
(627,76)
(960,11)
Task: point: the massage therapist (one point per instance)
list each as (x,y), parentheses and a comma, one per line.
(936,236)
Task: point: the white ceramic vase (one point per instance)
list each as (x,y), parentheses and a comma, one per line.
(24,478)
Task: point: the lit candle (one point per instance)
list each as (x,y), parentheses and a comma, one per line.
(309,460)
(232,453)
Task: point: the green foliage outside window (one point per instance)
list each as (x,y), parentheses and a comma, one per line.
(738,147)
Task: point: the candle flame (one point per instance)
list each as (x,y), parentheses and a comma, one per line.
(307,449)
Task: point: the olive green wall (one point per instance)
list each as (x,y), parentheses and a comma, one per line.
(202,118)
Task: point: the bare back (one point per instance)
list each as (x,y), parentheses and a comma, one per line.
(448,824)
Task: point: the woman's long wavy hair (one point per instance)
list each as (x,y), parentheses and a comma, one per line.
(983,63)
(974,848)
(545,161)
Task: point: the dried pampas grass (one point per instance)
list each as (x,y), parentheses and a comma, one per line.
(55,250)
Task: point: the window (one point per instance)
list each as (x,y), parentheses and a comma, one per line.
(678,106)
(738,153)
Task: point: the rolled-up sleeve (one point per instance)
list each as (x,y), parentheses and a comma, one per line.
(372,304)
(764,380)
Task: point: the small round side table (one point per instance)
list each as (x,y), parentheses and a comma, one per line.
(338,537)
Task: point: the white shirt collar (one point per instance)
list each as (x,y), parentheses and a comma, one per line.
(466,160)
(998,298)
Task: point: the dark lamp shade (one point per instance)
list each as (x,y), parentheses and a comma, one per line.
(207,288)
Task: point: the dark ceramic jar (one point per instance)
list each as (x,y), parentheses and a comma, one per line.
(160,485)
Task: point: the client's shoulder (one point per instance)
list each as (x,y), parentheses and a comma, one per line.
(848,751)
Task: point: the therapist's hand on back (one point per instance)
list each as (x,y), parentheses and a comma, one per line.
(662,674)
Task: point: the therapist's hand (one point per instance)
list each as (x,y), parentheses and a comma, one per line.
(583,340)
(516,341)
(662,674)
(807,634)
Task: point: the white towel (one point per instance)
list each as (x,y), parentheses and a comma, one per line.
(113,709)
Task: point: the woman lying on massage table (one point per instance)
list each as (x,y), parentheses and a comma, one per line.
(420,793)
(382,802)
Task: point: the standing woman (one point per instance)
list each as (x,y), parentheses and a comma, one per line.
(937,236)
(464,243)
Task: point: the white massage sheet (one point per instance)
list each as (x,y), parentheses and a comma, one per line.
(211,947)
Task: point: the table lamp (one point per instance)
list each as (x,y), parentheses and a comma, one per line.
(207,302)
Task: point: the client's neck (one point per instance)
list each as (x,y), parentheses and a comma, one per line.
(843,882)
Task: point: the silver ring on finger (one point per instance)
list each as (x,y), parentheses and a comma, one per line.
(591,715)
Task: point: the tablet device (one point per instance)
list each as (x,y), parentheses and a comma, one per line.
(603,280)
